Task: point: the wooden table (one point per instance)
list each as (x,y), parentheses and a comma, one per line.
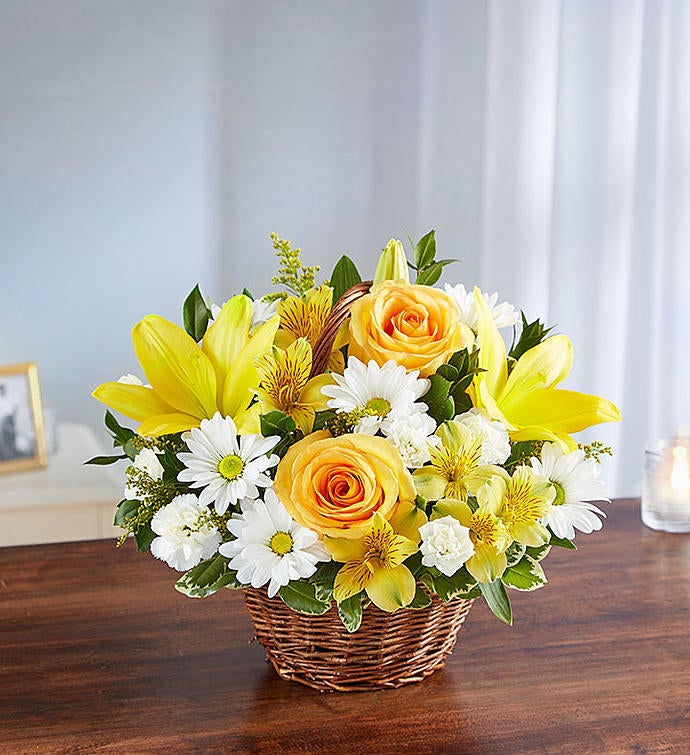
(98,653)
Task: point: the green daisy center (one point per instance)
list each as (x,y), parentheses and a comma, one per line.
(230,467)
(281,543)
(560,494)
(379,406)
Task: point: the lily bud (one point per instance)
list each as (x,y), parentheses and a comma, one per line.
(392,264)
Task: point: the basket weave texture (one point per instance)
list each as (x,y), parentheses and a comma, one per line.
(388,650)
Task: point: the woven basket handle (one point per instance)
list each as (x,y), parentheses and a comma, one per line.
(340,312)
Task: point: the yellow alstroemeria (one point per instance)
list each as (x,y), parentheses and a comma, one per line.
(527,401)
(304,317)
(284,384)
(488,532)
(191,382)
(374,563)
(455,471)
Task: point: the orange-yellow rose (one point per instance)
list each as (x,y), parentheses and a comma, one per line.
(334,485)
(416,326)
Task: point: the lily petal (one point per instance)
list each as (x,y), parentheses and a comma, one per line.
(164,424)
(492,349)
(228,335)
(179,371)
(134,401)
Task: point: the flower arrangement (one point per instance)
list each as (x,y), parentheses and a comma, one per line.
(410,455)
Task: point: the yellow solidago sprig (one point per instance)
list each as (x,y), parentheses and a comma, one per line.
(374,563)
(292,274)
(285,385)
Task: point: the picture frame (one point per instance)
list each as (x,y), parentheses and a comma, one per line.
(22,438)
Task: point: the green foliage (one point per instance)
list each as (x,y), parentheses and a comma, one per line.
(143,537)
(457,586)
(301,597)
(350,612)
(280,424)
(105,460)
(525,575)
(195,314)
(532,333)
(562,542)
(126,509)
(421,599)
(292,274)
(344,276)
(428,268)
(323,579)
(521,453)
(497,599)
(447,394)
(119,434)
(207,577)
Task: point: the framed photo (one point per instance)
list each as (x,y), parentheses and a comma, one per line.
(22,442)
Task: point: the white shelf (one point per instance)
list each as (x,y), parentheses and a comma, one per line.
(64,501)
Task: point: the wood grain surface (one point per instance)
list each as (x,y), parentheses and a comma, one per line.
(98,653)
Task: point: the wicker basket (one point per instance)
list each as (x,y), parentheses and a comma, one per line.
(388,650)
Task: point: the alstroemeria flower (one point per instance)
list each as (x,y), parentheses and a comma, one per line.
(191,382)
(527,401)
(374,563)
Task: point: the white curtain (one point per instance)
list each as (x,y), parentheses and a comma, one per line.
(585,213)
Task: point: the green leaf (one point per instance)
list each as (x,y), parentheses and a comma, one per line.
(562,542)
(276,423)
(539,552)
(125,510)
(526,575)
(322,418)
(206,578)
(120,434)
(456,586)
(323,579)
(521,453)
(514,553)
(301,597)
(195,314)
(248,293)
(344,276)
(497,599)
(414,563)
(350,612)
(532,334)
(420,600)
(130,448)
(425,251)
(102,461)
(436,398)
(429,275)
(143,537)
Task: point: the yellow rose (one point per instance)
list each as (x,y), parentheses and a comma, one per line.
(334,485)
(416,326)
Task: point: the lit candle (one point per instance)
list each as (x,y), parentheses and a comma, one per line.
(666,490)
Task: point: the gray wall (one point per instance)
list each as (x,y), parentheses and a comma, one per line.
(147,146)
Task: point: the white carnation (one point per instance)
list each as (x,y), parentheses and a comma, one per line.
(446,544)
(496,443)
(185,532)
(411,435)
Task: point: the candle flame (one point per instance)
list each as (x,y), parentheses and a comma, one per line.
(680,470)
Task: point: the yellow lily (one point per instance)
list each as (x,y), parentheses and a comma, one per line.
(284,384)
(374,563)
(527,401)
(191,382)
(392,264)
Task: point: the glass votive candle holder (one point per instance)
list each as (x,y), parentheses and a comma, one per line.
(666,487)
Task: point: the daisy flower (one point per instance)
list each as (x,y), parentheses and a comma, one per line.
(576,481)
(504,314)
(386,393)
(186,535)
(270,546)
(228,468)
(496,443)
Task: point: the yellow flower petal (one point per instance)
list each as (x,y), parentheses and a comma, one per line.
(390,589)
(179,371)
(351,579)
(492,350)
(429,483)
(487,564)
(134,401)
(228,335)
(164,424)
(345,549)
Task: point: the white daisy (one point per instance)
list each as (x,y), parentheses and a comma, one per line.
(185,532)
(411,436)
(496,443)
(446,544)
(146,466)
(576,481)
(389,391)
(504,314)
(270,546)
(227,467)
